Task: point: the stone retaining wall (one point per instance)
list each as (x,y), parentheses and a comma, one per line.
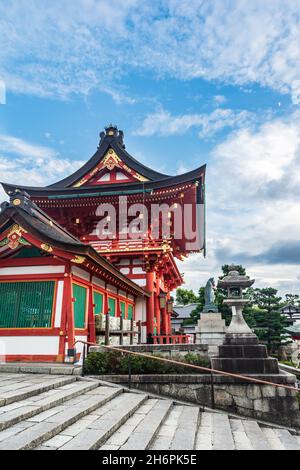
(264,402)
(165,350)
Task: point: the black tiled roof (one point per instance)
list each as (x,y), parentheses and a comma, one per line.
(112,138)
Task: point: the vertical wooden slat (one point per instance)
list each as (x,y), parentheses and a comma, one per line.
(26,304)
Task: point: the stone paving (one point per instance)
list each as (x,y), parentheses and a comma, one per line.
(55,412)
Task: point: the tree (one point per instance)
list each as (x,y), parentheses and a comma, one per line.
(185,297)
(226,268)
(270,323)
(292,299)
(195,315)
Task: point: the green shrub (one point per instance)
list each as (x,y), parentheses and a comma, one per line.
(112,362)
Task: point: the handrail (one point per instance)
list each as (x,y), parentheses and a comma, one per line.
(206,369)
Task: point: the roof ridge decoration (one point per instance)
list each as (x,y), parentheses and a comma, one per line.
(112,131)
(110,162)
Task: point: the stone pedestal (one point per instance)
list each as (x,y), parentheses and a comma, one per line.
(244,356)
(211,331)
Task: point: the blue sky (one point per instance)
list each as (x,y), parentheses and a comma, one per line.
(189,84)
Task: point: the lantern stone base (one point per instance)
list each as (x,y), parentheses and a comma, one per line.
(244,355)
(211,331)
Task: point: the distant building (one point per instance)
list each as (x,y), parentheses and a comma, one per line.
(291,312)
(182,313)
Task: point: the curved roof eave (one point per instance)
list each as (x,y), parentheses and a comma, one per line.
(151,185)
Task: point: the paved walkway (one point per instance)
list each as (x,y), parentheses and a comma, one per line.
(55,412)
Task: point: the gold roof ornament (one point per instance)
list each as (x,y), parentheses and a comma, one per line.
(78,259)
(46,247)
(17,202)
(15,230)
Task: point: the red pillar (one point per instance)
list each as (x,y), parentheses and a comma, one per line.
(165,328)
(70,315)
(64,321)
(150,277)
(169,317)
(157,313)
(91,318)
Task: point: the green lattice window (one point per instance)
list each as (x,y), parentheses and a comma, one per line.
(26,304)
(112,306)
(98,301)
(130,312)
(123,309)
(79,296)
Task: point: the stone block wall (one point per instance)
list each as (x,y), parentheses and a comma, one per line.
(262,402)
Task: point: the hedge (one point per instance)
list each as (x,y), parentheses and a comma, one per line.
(111,362)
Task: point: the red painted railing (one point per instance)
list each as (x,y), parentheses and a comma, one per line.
(170,339)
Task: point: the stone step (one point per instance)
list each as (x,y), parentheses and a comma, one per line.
(287,439)
(144,434)
(204,439)
(109,421)
(25,409)
(82,424)
(185,434)
(241,440)
(272,438)
(167,430)
(66,413)
(222,435)
(61,417)
(14,392)
(119,438)
(256,435)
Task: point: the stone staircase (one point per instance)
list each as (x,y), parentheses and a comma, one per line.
(45,412)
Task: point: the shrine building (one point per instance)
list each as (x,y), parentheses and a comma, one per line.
(102,241)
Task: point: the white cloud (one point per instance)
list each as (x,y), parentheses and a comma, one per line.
(59,48)
(253,205)
(220,99)
(27,164)
(163,123)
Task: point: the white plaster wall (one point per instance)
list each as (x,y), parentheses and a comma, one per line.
(125,270)
(122,293)
(112,288)
(140,282)
(124,262)
(29,345)
(140,315)
(32,270)
(80,273)
(59,303)
(138,271)
(98,282)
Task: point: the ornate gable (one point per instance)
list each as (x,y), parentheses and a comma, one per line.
(112,170)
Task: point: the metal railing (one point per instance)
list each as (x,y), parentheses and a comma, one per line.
(210,371)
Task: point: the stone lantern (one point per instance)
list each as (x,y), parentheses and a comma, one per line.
(235,283)
(241,352)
